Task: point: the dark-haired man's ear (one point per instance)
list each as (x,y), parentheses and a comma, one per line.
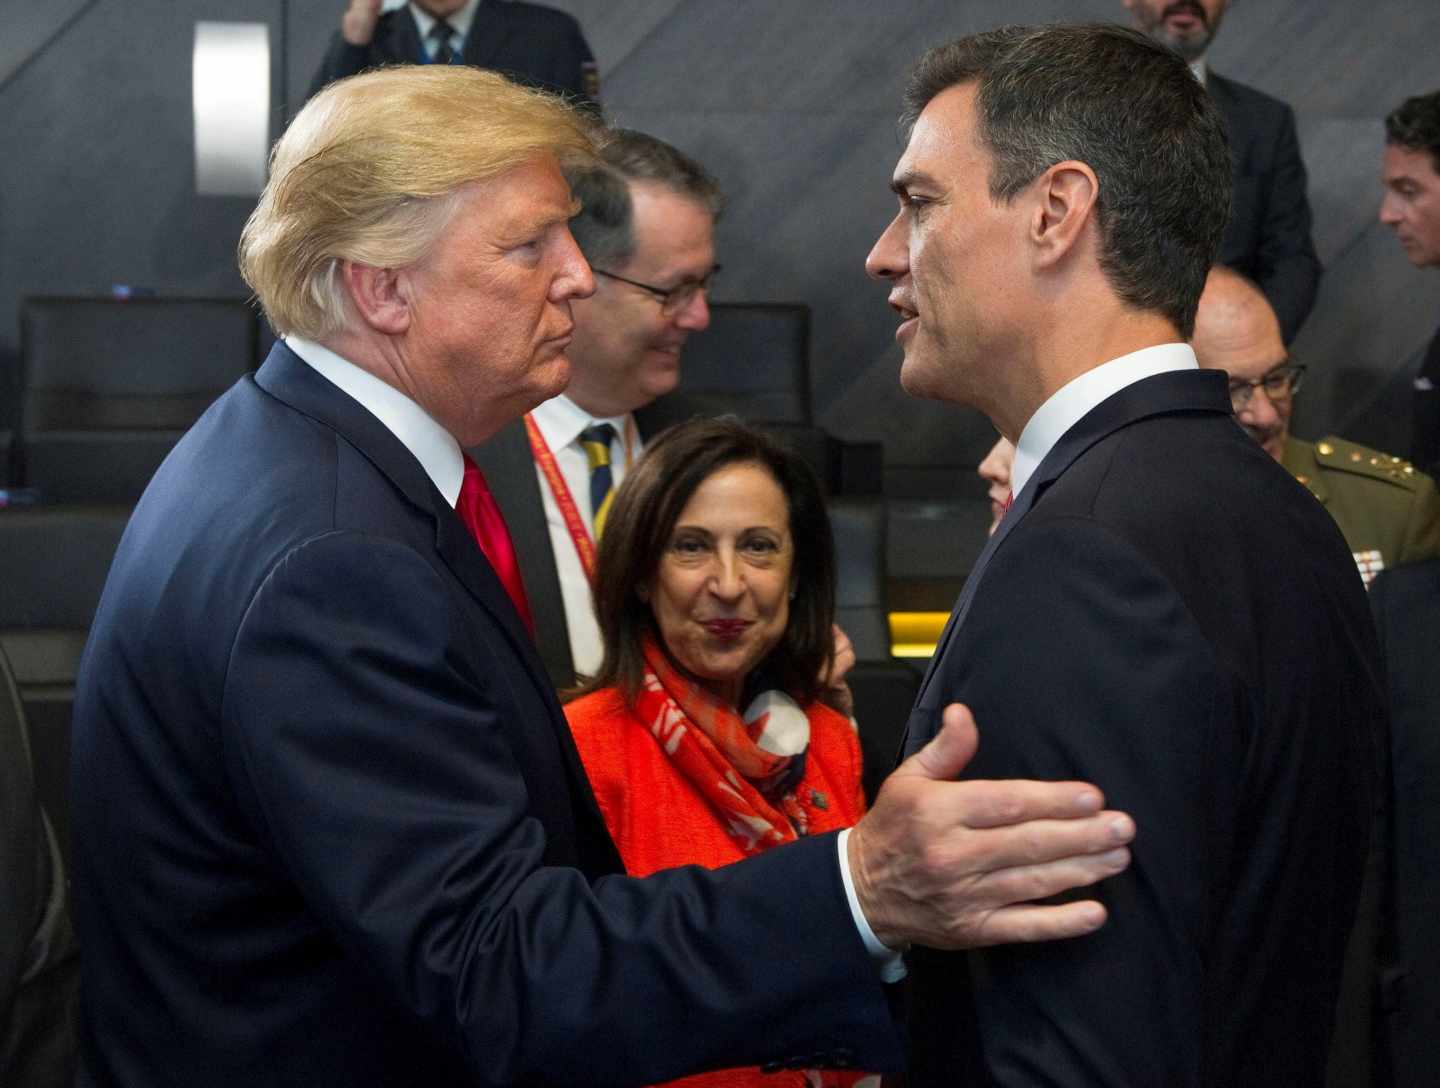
(1066,197)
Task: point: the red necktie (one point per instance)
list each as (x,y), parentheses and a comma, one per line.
(480,513)
(1009,502)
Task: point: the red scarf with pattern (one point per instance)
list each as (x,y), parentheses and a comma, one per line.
(752,790)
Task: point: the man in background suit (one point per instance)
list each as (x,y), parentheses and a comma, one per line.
(1411,208)
(1388,512)
(1162,606)
(1406,605)
(530,43)
(646,226)
(1268,234)
(330,826)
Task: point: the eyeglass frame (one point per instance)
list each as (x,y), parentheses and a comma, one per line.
(1243,389)
(676,298)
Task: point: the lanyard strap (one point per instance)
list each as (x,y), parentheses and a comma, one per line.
(569,511)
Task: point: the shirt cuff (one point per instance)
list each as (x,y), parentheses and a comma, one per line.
(889,962)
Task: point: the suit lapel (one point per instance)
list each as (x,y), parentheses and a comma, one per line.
(509,469)
(287,377)
(1176,391)
(489,29)
(404,37)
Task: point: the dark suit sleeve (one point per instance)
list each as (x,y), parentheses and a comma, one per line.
(573,59)
(341,59)
(1080,661)
(20,832)
(1425,435)
(1286,265)
(363,730)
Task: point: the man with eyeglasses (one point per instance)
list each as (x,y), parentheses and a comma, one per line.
(647,228)
(1388,512)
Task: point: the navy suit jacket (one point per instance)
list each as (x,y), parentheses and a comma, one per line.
(1406,603)
(529,43)
(1166,613)
(330,827)
(1268,236)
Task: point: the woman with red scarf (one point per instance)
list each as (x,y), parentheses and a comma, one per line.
(704,734)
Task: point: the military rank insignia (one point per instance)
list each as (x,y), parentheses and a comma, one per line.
(1370,563)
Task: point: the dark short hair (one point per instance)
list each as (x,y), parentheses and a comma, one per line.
(604,229)
(637,532)
(1126,106)
(1415,125)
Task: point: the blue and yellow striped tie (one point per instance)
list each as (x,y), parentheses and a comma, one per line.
(596,440)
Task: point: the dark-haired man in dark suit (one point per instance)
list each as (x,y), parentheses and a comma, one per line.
(1162,607)
(527,42)
(1268,235)
(1411,208)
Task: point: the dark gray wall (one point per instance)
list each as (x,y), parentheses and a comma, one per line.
(791,103)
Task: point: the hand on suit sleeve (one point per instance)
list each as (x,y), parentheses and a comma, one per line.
(956,864)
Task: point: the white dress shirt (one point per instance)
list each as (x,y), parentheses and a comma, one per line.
(443,461)
(433,446)
(1072,401)
(560,421)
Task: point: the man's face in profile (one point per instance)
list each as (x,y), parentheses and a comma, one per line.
(1186,26)
(955,258)
(627,339)
(1411,206)
(488,323)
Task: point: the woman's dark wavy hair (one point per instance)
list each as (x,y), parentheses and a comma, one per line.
(637,531)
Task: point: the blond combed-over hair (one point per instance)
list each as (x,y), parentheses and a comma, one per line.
(371,170)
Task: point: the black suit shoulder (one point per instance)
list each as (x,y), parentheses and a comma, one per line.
(1158,624)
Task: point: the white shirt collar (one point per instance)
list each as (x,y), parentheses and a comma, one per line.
(431,444)
(1073,401)
(561,420)
(1199,69)
(459,22)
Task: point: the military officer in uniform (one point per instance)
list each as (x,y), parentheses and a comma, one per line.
(1388,511)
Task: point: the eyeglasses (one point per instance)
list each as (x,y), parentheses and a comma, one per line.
(673,299)
(1279,384)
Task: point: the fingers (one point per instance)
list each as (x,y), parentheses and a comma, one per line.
(946,755)
(1027,924)
(841,659)
(1037,843)
(984,803)
(1025,883)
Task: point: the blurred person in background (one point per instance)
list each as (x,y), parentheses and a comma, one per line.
(1410,207)
(1268,234)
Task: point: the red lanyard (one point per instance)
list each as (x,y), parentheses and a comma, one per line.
(569,511)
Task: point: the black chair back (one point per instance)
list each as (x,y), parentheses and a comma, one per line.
(108,386)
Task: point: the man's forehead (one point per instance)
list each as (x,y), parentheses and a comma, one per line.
(1404,163)
(943,130)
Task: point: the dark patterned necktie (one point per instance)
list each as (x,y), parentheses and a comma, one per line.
(440,34)
(596,439)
